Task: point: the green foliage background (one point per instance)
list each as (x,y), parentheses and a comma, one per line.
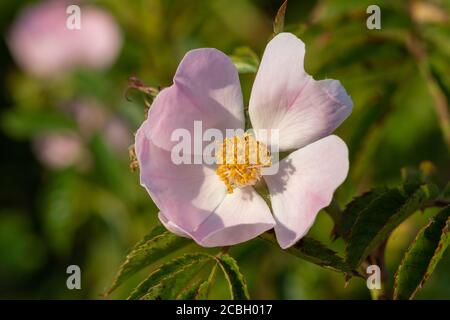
(92,216)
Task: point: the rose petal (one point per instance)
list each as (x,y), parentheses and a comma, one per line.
(172,227)
(206,88)
(285,98)
(305,183)
(242,216)
(186,193)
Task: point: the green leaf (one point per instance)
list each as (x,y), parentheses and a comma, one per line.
(108,165)
(168,280)
(236,281)
(412,177)
(191,292)
(379,218)
(369,119)
(415,177)
(278,24)
(245,60)
(352,210)
(61,212)
(156,231)
(205,287)
(25,124)
(422,256)
(446,192)
(315,252)
(155,246)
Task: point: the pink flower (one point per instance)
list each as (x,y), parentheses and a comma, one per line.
(217,205)
(42,45)
(58,150)
(92,118)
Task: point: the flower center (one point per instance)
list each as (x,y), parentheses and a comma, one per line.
(240,160)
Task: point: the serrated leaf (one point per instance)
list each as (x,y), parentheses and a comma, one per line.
(191,292)
(156,231)
(245,60)
(168,280)
(315,252)
(156,245)
(235,279)
(205,287)
(278,24)
(352,210)
(375,222)
(422,256)
(199,290)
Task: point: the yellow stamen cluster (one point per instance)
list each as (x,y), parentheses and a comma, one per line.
(240,159)
(134,164)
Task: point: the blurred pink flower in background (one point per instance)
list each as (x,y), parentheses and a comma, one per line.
(117,134)
(42,45)
(89,114)
(93,117)
(58,150)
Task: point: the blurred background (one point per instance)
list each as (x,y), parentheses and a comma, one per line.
(66,192)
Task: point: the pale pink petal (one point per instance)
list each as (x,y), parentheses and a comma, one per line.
(42,45)
(39,41)
(172,227)
(59,150)
(186,193)
(285,98)
(206,88)
(241,216)
(101,39)
(305,183)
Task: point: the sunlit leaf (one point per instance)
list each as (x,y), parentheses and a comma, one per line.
(168,280)
(354,208)
(235,279)
(205,287)
(158,244)
(379,218)
(422,256)
(191,292)
(315,252)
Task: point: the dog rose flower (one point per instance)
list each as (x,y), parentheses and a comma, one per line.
(217,205)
